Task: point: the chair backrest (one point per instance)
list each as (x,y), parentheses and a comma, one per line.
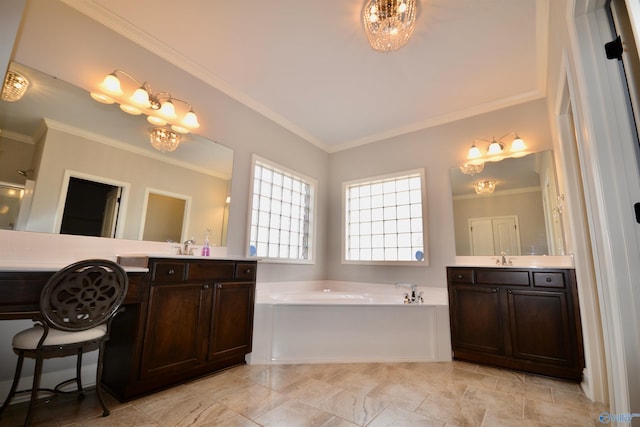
(83,295)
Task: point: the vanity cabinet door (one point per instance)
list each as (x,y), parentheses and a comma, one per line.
(175,336)
(540,326)
(232,319)
(476,319)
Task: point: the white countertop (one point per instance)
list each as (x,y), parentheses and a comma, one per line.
(35,267)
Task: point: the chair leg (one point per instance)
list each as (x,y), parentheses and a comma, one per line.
(106,411)
(16,380)
(79,375)
(34,390)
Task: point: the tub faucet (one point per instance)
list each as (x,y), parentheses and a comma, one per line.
(415,297)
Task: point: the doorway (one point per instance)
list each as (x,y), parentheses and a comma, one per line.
(91,208)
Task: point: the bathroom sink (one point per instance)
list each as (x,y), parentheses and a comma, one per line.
(528,261)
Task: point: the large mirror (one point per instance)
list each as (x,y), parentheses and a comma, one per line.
(519,213)
(59,148)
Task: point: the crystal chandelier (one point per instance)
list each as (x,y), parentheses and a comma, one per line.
(164,140)
(484,187)
(14,87)
(389,24)
(159,107)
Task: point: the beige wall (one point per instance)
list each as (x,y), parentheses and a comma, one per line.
(437,150)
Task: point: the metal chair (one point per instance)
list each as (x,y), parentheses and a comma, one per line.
(76,308)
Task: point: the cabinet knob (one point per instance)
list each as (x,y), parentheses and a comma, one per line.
(171,272)
(548,279)
(509,291)
(219,286)
(459,276)
(247,271)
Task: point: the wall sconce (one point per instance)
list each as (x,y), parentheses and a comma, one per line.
(14,87)
(159,107)
(495,152)
(484,187)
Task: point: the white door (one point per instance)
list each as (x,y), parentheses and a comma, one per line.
(110,217)
(491,235)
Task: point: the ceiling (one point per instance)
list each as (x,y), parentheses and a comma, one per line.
(307,65)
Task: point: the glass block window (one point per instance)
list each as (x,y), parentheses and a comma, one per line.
(281,213)
(384,219)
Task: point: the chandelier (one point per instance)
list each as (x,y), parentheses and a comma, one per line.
(159,107)
(484,187)
(495,152)
(389,24)
(14,87)
(164,140)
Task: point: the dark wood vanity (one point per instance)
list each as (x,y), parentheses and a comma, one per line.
(518,318)
(183,318)
(193,317)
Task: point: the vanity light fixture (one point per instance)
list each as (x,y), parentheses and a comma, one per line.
(495,152)
(159,107)
(14,87)
(485,187)
(389,24)
(164,140)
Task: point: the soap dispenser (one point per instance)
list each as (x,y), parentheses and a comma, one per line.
(205,247)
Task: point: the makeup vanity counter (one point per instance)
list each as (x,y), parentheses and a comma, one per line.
(518,318)
(195,316)
(22,283)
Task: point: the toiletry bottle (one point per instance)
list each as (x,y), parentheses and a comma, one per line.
(205,247)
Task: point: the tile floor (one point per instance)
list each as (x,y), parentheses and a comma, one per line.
(336,395)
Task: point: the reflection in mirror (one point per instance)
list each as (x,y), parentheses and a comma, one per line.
(90,208)
(57,127)
(522,216)
(164,216)
(10,197)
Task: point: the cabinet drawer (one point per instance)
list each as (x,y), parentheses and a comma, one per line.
(211,271)
(460,275)
(168,272)
(246,271)
(548,280)
(502,277)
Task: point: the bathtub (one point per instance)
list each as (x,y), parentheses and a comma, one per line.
(333,321)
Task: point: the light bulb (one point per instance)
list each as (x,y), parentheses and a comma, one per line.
(402,8)
(168,110)
(494,148)
(191,120)
(130,109)
(518,145)
(100,97)
(179,129)
(111,84)
(474,152)
(154,120)
(141,98)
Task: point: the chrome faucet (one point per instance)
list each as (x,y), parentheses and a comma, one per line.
(503,259)
(415,297)
(186,250)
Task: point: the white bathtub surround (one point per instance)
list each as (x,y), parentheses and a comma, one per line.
(527,261)
(334,321)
